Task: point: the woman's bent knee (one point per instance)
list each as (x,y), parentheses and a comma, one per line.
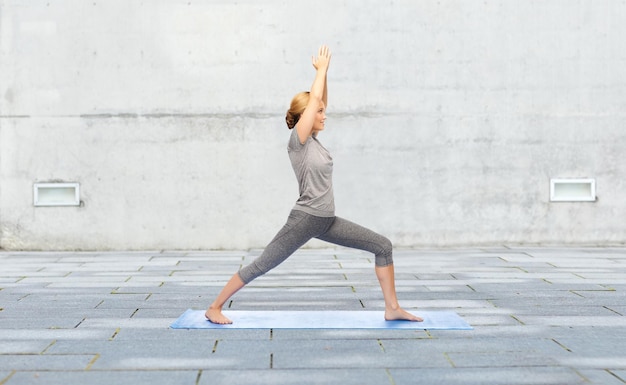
(384,257)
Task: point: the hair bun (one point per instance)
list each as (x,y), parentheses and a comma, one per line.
(291,119)
(298,105)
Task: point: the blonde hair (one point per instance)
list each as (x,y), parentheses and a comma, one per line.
(298,104)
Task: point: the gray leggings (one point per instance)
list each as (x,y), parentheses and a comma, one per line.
(301,227)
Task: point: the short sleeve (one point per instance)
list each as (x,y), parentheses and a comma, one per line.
(294,141)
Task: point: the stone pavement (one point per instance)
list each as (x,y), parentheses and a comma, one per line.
(541,316)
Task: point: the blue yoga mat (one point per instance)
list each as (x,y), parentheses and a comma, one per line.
(433,320)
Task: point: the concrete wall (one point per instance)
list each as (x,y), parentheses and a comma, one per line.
(447,119)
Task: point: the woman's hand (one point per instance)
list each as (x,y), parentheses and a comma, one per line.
(322,61)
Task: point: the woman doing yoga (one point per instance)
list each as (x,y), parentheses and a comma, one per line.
(313,215)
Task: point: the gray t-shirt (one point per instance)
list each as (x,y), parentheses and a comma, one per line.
(313,166)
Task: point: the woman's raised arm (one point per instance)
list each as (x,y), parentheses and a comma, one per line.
(319,93)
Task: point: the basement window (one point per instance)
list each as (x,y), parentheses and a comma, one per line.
(573,190)
(56,194)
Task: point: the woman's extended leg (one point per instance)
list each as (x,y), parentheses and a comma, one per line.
(214,312)
(300,228)
(345,233)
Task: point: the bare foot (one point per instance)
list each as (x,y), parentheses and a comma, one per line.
(400,314)
(215,316)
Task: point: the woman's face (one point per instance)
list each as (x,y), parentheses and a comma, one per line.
(320,118)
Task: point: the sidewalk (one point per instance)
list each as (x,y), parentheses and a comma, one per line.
(540,316)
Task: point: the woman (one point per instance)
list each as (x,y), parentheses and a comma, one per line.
(314,213)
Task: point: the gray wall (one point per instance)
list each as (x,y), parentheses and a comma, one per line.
(447,119)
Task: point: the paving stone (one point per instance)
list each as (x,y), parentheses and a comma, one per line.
(593,347)
(56,301)
(131,347)
(5,375)
(556,300)
(43,362)
(42,321)
(501,359)
(618,309)
(138,335)
(492,376)
(140,323)
(123,301)
(52,334)
(603,376)
(298,376)
(590,321)
(191,361)
(597,333)
(347,354)
(487,319)
(309,304)
(104,377)
(434,304)
(156,312)
(476,345)
(621,374)
(8,347)
(607,361)
(548,310)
